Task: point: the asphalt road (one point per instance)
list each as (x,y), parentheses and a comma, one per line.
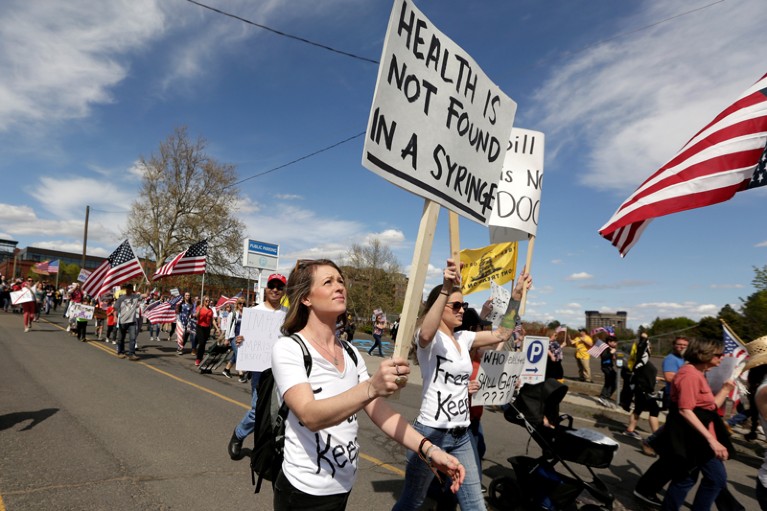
(82,429)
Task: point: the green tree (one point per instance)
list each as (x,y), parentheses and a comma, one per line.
(760,278)
(186,196)
(754,322)
(374,279)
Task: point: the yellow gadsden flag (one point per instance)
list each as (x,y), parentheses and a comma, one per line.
(481,265)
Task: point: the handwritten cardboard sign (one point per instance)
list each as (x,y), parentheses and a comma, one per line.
(80,311)
(500,297)
(518,201)
(23,295)
(261,329)
(438,126)
(498,375)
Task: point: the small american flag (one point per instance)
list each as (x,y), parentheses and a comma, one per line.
(597,349)
(224,300)
(163,312)
(189,262)
(725,157)
(121,266)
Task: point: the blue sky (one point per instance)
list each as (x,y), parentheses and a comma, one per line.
(88,87)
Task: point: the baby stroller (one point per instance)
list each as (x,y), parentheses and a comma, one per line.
(218,353)
(537,485)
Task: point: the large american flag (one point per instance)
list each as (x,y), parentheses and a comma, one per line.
(163,312)
(188,262)
(121,266)
(725,157)
(734,347)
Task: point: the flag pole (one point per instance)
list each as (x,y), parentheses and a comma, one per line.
(528,265)
(202,289)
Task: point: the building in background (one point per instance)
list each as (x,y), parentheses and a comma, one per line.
(596,319)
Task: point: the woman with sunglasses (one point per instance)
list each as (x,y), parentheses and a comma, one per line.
(695,439)
(446,367)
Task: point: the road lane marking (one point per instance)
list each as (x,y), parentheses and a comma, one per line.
(97,344)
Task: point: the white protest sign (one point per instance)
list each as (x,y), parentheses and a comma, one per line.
(536,353)
(174,291)
(23,295)
(518,201)
(83,276)
(500,297)
(498,375)
(261,329)
(438,126)
(80,311)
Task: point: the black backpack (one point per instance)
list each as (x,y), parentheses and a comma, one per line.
(269,434)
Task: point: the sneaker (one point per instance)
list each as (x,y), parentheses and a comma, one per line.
(633,434)
(647,449)
(121,355)
(648,499)
(243,378)
(226,373)
(26,329)
(604,402)
(235,447)
(134,358)
(179,352)
(194,351)
(114,342)
(197,363)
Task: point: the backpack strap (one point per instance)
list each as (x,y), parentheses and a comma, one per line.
(350,351)
(282,415)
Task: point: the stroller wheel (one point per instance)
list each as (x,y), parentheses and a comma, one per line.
(504,493)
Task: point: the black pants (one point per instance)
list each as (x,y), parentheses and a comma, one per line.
(202,335)
(81,327)
(611,382)
(288,497)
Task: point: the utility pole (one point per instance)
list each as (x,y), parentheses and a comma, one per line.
(85,236)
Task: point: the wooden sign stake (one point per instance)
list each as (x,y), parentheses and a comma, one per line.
(528,265)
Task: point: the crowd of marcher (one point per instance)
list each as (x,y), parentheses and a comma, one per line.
(445,438)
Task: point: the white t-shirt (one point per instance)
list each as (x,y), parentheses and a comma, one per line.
(325,462)
(446,372)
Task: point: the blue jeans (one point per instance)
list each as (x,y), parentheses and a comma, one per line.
(233,360)
(714,480)
(128,329)
(377,339)
(418,476)
(248,422)
(154,330)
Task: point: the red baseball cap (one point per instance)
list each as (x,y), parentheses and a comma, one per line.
(277,276)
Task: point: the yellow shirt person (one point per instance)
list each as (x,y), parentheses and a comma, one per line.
(582,342)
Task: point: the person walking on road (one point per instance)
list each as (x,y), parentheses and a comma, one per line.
(29,308)
(127,310)
(322,429)
(443,355)
(378,328)
(607,364)
(275,291)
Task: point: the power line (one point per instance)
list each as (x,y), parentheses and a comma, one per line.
(640,29)
(297,159)
(283,34)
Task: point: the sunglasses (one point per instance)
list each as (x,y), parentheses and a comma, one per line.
(456,306)
(720,355)
(278,287)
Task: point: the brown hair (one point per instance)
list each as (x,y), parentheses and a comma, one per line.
(428,304)
(299,286)
(702,351)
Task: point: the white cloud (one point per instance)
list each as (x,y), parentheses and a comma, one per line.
(761,244)
(557,261)
(288,196)
(72,194)
(580,276)
(632,102)
(61,58)
(392,238)
(727,286)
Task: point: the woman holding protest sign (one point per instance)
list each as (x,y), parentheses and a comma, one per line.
(324,404)
(443,355)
